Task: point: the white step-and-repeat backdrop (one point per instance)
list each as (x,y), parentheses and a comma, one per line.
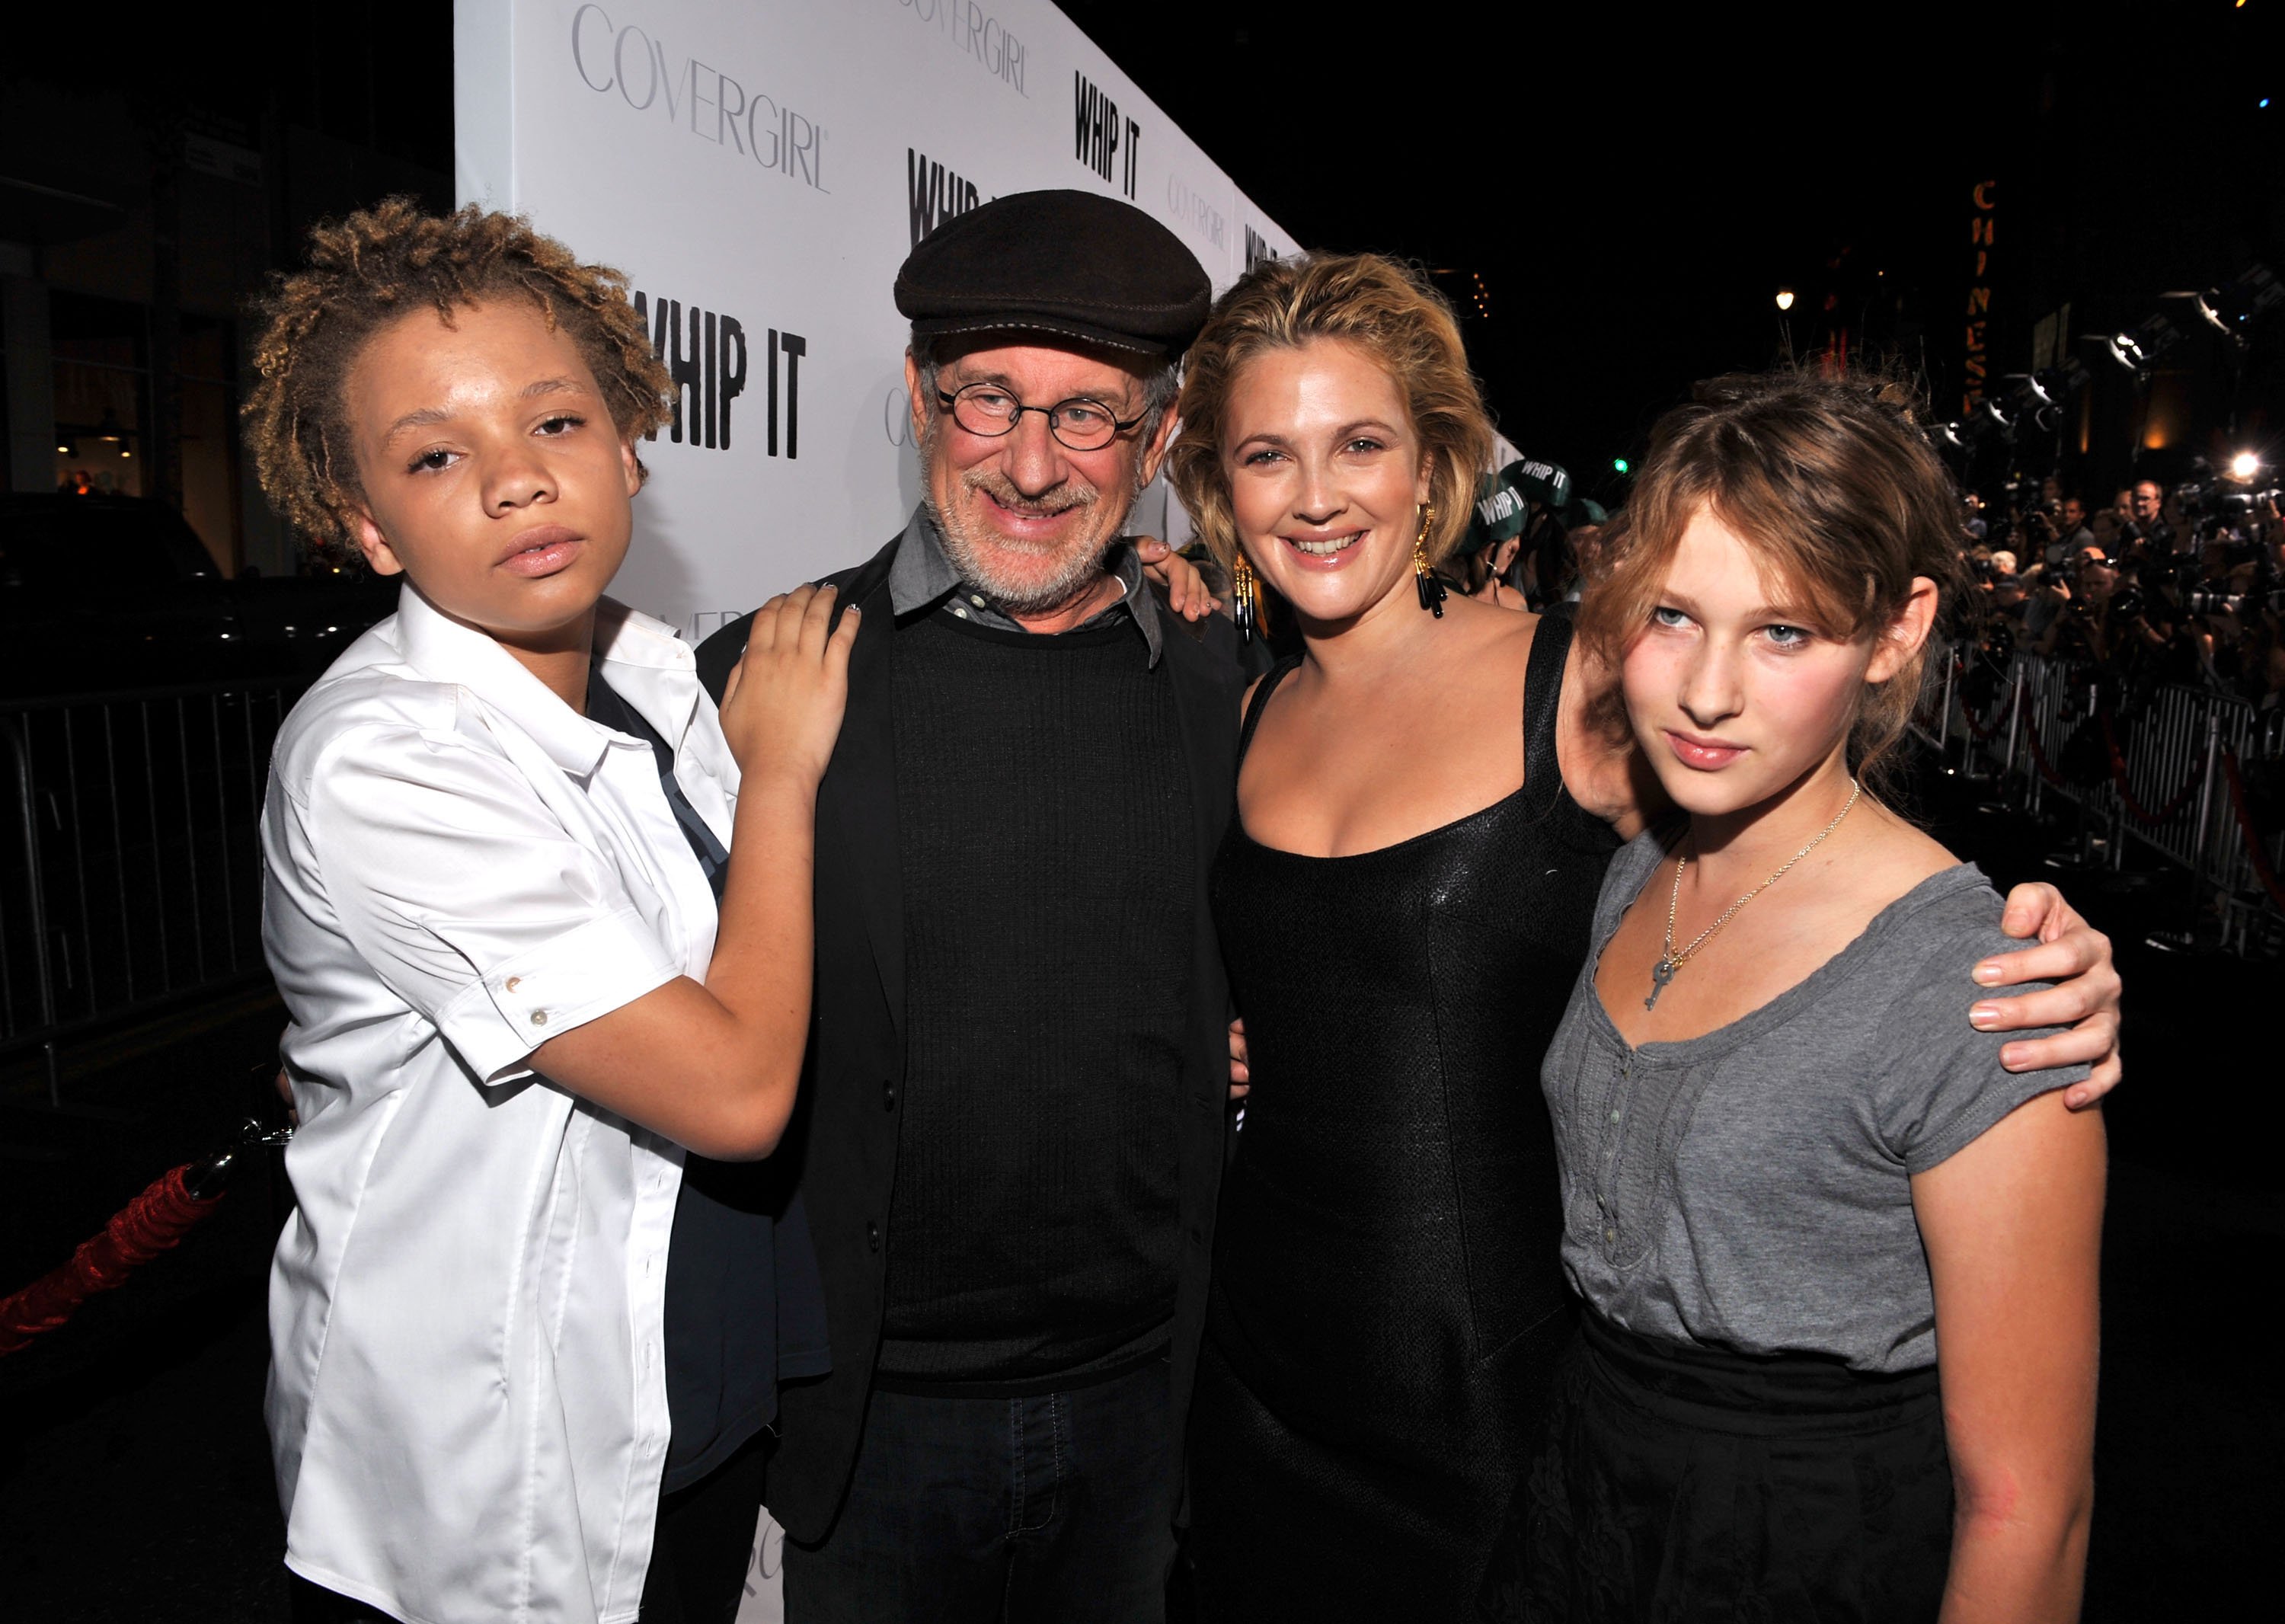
(759,169)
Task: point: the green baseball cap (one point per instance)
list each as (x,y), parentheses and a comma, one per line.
(1501,511)
(1504,501)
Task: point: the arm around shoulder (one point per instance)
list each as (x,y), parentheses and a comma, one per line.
(1602,769)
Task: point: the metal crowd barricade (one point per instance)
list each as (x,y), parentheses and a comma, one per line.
(2162,773)
(130,877)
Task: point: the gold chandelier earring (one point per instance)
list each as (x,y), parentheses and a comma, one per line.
(1246,605)
(1431,584)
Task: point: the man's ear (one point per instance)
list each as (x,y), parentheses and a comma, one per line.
(1902,637)
(918,397)
(1155,453)
(379,555)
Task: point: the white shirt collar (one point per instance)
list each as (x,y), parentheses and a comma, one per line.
(444,650)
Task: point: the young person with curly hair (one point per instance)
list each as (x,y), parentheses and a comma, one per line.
(524,972)
(1425,814)
(1839,1262)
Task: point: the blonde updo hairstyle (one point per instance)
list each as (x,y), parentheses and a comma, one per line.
(1388,311)
(1836,488)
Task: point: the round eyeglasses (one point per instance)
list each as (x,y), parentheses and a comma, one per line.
(988,410)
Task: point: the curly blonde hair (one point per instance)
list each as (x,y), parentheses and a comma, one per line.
(1387,310)
(379,264)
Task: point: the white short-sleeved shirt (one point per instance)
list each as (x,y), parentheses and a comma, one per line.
(467,1402)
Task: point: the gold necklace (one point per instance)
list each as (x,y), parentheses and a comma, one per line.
(1670,962)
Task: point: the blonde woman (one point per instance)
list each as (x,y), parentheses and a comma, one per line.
(1424,813)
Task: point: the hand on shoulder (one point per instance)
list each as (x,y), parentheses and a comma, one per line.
(1602,768)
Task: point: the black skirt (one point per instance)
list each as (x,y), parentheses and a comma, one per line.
(1683,1483)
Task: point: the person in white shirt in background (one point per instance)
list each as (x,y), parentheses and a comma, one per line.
(491,926)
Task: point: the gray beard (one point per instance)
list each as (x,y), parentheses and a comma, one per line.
(1074,573)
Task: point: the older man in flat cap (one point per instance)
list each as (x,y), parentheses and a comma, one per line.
(1012,1120)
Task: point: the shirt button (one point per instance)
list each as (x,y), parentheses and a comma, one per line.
(977,598)
(1610,1235)
(1614,1116)
(873,1236)
(958,611)
(539,1017)
(888,1096)
(512,983)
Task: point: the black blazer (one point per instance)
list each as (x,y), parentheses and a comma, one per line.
(842,1143)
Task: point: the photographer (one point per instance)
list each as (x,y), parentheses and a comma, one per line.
(2045,601)
(2108,619)
(2174,642)
(2041,530)
(2146,522)
(2234,604)
(1995,624)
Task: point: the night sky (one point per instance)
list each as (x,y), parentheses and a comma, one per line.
(1634,183)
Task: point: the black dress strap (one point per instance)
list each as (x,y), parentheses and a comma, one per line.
(1262,690)
(1542,706)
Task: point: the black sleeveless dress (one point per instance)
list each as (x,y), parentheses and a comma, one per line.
(1387,1298)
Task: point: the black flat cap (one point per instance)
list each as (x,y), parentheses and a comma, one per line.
(1072,263)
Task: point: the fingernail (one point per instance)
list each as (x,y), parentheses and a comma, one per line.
(1987,973)
(2010,1056)
(853,611)
(1984,1015)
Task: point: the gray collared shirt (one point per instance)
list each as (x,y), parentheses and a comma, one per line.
(922,577)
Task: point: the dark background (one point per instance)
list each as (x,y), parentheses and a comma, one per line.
(1627,186)
(1633,183)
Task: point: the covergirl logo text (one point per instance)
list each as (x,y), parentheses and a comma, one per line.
(623,61)
(976,34)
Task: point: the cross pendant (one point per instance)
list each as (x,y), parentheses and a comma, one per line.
(1661,974)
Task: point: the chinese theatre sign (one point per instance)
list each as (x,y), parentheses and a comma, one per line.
(1975,368)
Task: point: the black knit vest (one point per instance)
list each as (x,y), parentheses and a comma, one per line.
(1043,816)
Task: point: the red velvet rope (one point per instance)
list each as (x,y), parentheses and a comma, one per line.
(2253,846)
(2038,751)
(2180,799)
(139,1232)
(1976,729)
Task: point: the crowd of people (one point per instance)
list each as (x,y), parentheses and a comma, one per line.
(1077,1090)
(2182,586)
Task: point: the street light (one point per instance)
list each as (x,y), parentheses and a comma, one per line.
(1785,298)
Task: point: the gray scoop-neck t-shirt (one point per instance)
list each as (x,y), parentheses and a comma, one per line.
(1750,1188)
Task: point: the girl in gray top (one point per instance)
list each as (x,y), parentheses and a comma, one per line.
(1838,1264)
